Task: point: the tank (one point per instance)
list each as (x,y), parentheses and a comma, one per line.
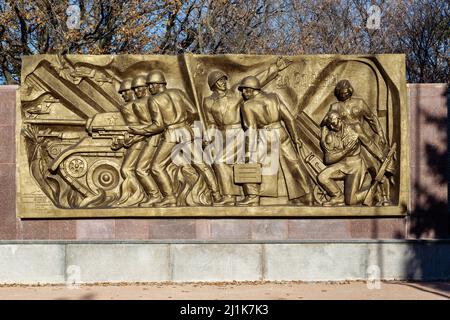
(92,166)
(83,156)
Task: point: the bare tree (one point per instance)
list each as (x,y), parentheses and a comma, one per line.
(418,28)
(30,27)
(424,35)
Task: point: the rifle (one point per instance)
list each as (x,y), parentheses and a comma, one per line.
(368,200)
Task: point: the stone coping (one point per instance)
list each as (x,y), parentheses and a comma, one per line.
(231,241)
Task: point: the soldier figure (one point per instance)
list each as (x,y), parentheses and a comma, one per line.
(131,191)
(266,113)
(355,112)
(171,115)
(342,154)
(222,110)
(149,147)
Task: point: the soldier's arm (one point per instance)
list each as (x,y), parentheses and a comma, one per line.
(370,146)
(332,156)
(269,74)
(251,132)
(192,112)
(272,72)
(323,134)
(157,124)
(324,129)
(210,123)
(142,112)
(372,119)
(329,157)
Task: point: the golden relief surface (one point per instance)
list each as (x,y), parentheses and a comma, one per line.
(199,135)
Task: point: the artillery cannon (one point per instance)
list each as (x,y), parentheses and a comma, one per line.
(87,162)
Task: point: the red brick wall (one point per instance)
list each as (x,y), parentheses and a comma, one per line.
(429,161)
(428,137)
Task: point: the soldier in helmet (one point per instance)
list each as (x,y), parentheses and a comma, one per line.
(264,114)
(131,191)
(171,113)
(140,88)
(222,112)
(140,108)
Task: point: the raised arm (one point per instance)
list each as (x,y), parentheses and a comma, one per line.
(270,73)
(267,75)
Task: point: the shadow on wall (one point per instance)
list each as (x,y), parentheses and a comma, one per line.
(430,216)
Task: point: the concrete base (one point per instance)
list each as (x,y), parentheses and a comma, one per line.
(68,262)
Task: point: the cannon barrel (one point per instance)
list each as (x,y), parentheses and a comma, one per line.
(105,124)
(58,122)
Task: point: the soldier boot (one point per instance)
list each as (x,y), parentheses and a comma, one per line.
(250,200)
(151,201)
(224,200)
(169,201)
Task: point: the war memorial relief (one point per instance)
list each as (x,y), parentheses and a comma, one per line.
(199,135)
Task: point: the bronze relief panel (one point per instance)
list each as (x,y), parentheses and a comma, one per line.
(199,135)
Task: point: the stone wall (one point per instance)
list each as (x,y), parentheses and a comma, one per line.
(428,218)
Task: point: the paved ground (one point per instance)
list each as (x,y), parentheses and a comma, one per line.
(234,291)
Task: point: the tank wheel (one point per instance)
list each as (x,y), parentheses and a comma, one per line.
(76,166)
(103,175)
(320,196)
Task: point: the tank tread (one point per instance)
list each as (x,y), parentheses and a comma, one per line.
(101,154)
(84,191)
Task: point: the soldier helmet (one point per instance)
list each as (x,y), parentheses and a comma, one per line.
(156,76)
(125,85)
(250,82)
(138,81)
(214,76)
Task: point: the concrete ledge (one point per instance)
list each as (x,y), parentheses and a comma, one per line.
(216,262)
(68,262)
(32,263)
(117,262)
(315,262)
